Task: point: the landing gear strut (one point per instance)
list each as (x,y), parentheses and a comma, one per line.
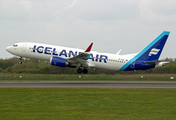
(79,71)
(20,60)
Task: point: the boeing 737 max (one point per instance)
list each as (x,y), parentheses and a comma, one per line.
(84,59)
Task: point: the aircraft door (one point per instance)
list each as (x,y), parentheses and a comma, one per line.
(24,47)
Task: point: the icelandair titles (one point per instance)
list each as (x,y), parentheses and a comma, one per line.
(39,49)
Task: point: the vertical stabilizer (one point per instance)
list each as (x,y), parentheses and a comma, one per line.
(151,52)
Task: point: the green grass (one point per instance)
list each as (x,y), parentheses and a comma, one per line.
(87,104)
(86,78)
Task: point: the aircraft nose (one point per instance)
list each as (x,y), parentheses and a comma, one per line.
(8,48)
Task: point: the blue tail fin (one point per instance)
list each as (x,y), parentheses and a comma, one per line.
(151,52)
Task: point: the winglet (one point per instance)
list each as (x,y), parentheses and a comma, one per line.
(89,48)
(118,52)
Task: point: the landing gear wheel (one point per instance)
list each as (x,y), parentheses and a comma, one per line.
(20,60)
(79,71)
(85,71)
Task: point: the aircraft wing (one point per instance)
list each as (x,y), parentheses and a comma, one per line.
(81,59)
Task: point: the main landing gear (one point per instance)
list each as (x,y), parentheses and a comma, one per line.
(79,71)
(20,60)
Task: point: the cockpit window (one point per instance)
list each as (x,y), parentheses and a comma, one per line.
(15,45)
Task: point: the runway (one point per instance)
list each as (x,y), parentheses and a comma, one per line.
(85,85)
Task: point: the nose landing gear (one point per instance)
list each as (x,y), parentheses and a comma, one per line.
(20,60)
(79,71)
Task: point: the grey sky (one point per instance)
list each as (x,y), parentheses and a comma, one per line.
(111,24)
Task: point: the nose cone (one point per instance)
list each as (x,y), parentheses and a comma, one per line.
(8,48)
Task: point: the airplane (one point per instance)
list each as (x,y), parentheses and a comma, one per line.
(86,59)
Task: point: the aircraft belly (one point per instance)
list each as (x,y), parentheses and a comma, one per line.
(42,57)
(109,66)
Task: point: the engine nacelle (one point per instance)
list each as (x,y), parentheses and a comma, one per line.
(58,61)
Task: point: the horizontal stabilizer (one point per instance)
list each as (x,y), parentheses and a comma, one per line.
(157,62)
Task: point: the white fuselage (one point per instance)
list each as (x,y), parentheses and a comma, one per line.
(70,57)
(45,52)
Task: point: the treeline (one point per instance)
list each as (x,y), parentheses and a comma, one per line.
(31,66)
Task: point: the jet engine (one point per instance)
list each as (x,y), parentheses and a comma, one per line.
(58,61)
